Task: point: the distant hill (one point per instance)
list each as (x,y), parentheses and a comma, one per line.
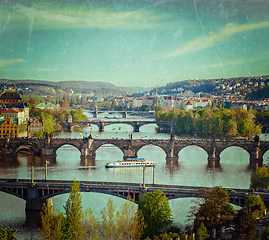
(259,94)
(66,87)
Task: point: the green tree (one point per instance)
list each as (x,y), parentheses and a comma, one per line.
(260,178)
(156,212)
(245,225)
(113,104)
(257,205)
(202,233)
(212,208)
(56,225)
(73,213)
(7,234)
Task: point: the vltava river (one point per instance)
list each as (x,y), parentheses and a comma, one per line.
(190,170)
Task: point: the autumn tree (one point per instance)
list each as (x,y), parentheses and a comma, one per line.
(156,211)
(212,208)
(111,222)
(52,222)
(91,226)
(245,225)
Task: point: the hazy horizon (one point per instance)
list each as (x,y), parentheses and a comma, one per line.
(133,43)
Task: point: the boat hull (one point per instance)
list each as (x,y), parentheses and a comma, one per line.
(153,165)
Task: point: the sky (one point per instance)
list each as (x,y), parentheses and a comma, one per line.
(133,42)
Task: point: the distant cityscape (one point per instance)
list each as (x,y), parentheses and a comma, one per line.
(232,92)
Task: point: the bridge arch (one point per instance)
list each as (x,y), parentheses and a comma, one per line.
(83,190)
(227,154)
(109,149)
(27,146)
(65,144)
(182,151)
(141,148)
(16,194)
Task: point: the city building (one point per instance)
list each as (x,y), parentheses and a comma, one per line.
(10,98)
(8,127)
(47,106)
(34,126)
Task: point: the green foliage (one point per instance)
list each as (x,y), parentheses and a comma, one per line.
(113,104)
(202,233)
(76,224)
(77,115)
(7,234)
(156,211)
(56,225)
(260,178)
(40,134)
(212,208)
(22,127)
(245,225)
(52,222)
(265,234)
(213,120)
(144,108)
(73,213)
(257,205)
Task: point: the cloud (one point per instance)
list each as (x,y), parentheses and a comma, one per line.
(4,62)
(214,38)
(225,64)
(57,15)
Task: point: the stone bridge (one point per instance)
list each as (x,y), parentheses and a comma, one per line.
(135,124)
(38,192)
(47,147)
(124,114)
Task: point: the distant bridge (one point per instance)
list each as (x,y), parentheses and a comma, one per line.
(37,192)
(135,124)
(47,147)
(124,113)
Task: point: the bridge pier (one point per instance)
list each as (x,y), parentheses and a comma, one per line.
(101,127)
(256,159)
(48,152)
(136,127)
(34,206)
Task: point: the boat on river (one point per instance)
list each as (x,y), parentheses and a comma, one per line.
(131,162)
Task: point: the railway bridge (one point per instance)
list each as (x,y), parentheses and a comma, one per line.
(38,192)
(47,147)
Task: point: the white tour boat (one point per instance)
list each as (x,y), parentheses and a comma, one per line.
(131,162)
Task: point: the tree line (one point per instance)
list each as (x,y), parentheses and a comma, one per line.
(51,118)
(151,219)
(231,122)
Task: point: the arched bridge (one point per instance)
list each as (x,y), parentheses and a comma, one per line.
(135,124)
(37,193)
(47,147)
(124,113)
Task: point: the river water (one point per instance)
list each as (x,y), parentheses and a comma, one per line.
(191,170)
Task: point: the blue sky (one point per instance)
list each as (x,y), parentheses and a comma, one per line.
(133,42)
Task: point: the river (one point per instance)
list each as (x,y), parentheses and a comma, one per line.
(191,170)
